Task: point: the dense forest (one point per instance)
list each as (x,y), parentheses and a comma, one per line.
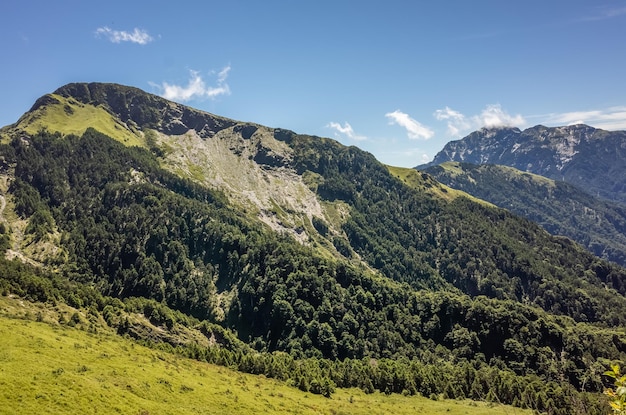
(413,238)
(557,206)
(451,299)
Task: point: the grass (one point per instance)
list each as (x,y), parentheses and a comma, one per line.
(68,116)
(415,180)
(531,177)
(454,168)
(48,368)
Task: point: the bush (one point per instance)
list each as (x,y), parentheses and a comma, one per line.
(617,396)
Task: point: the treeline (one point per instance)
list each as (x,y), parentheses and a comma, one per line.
(465,380)
(121,217)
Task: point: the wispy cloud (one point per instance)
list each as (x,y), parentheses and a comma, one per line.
(347,130)
(613,118)
(196,87)
(397,156)
(408,155)
(604,13)
(491,116)
(138,36)
(415,130)
(457,122)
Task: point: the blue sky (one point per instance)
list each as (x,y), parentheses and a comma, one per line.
(396,78)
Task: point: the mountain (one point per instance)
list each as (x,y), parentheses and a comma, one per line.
(558,207)
(296,257)
(589,158)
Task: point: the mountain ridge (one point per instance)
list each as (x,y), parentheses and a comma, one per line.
(180,135)
(560,208)
(147,110)
(589,158)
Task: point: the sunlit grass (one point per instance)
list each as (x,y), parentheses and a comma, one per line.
(68,116)
(417,181)
(454,168)
(47,368)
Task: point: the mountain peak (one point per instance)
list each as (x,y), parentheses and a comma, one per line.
(584,156)
(243,160)
(96,92)
(145,110)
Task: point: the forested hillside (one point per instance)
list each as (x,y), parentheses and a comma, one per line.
(396,289)
(557,206)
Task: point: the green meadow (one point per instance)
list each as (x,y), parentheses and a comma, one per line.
(52,368)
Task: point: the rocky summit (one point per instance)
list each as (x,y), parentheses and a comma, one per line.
(589,158)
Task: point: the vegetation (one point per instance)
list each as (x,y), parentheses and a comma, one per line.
(430,375)
(617,396)
(414,238)
(427,184)
(557,206)
(65,115)
(53,368)
(426,292)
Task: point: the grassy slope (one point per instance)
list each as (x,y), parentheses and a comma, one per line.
(415,180)
(68,116)
(455,168)
(559,207)
(279,199)
(47,368)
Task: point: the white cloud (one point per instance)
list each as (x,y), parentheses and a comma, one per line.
(490,117)
(426,158)
(196,87)
(394,156)
(414,129)
(494,116)
(613,118)
(457,122)
(346,130)
(116,36)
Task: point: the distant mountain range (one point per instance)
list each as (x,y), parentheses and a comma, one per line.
(570,180)
(591,159)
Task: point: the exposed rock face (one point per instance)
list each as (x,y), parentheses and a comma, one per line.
(253,169)
(589,158)
(251,164)
(146,110)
